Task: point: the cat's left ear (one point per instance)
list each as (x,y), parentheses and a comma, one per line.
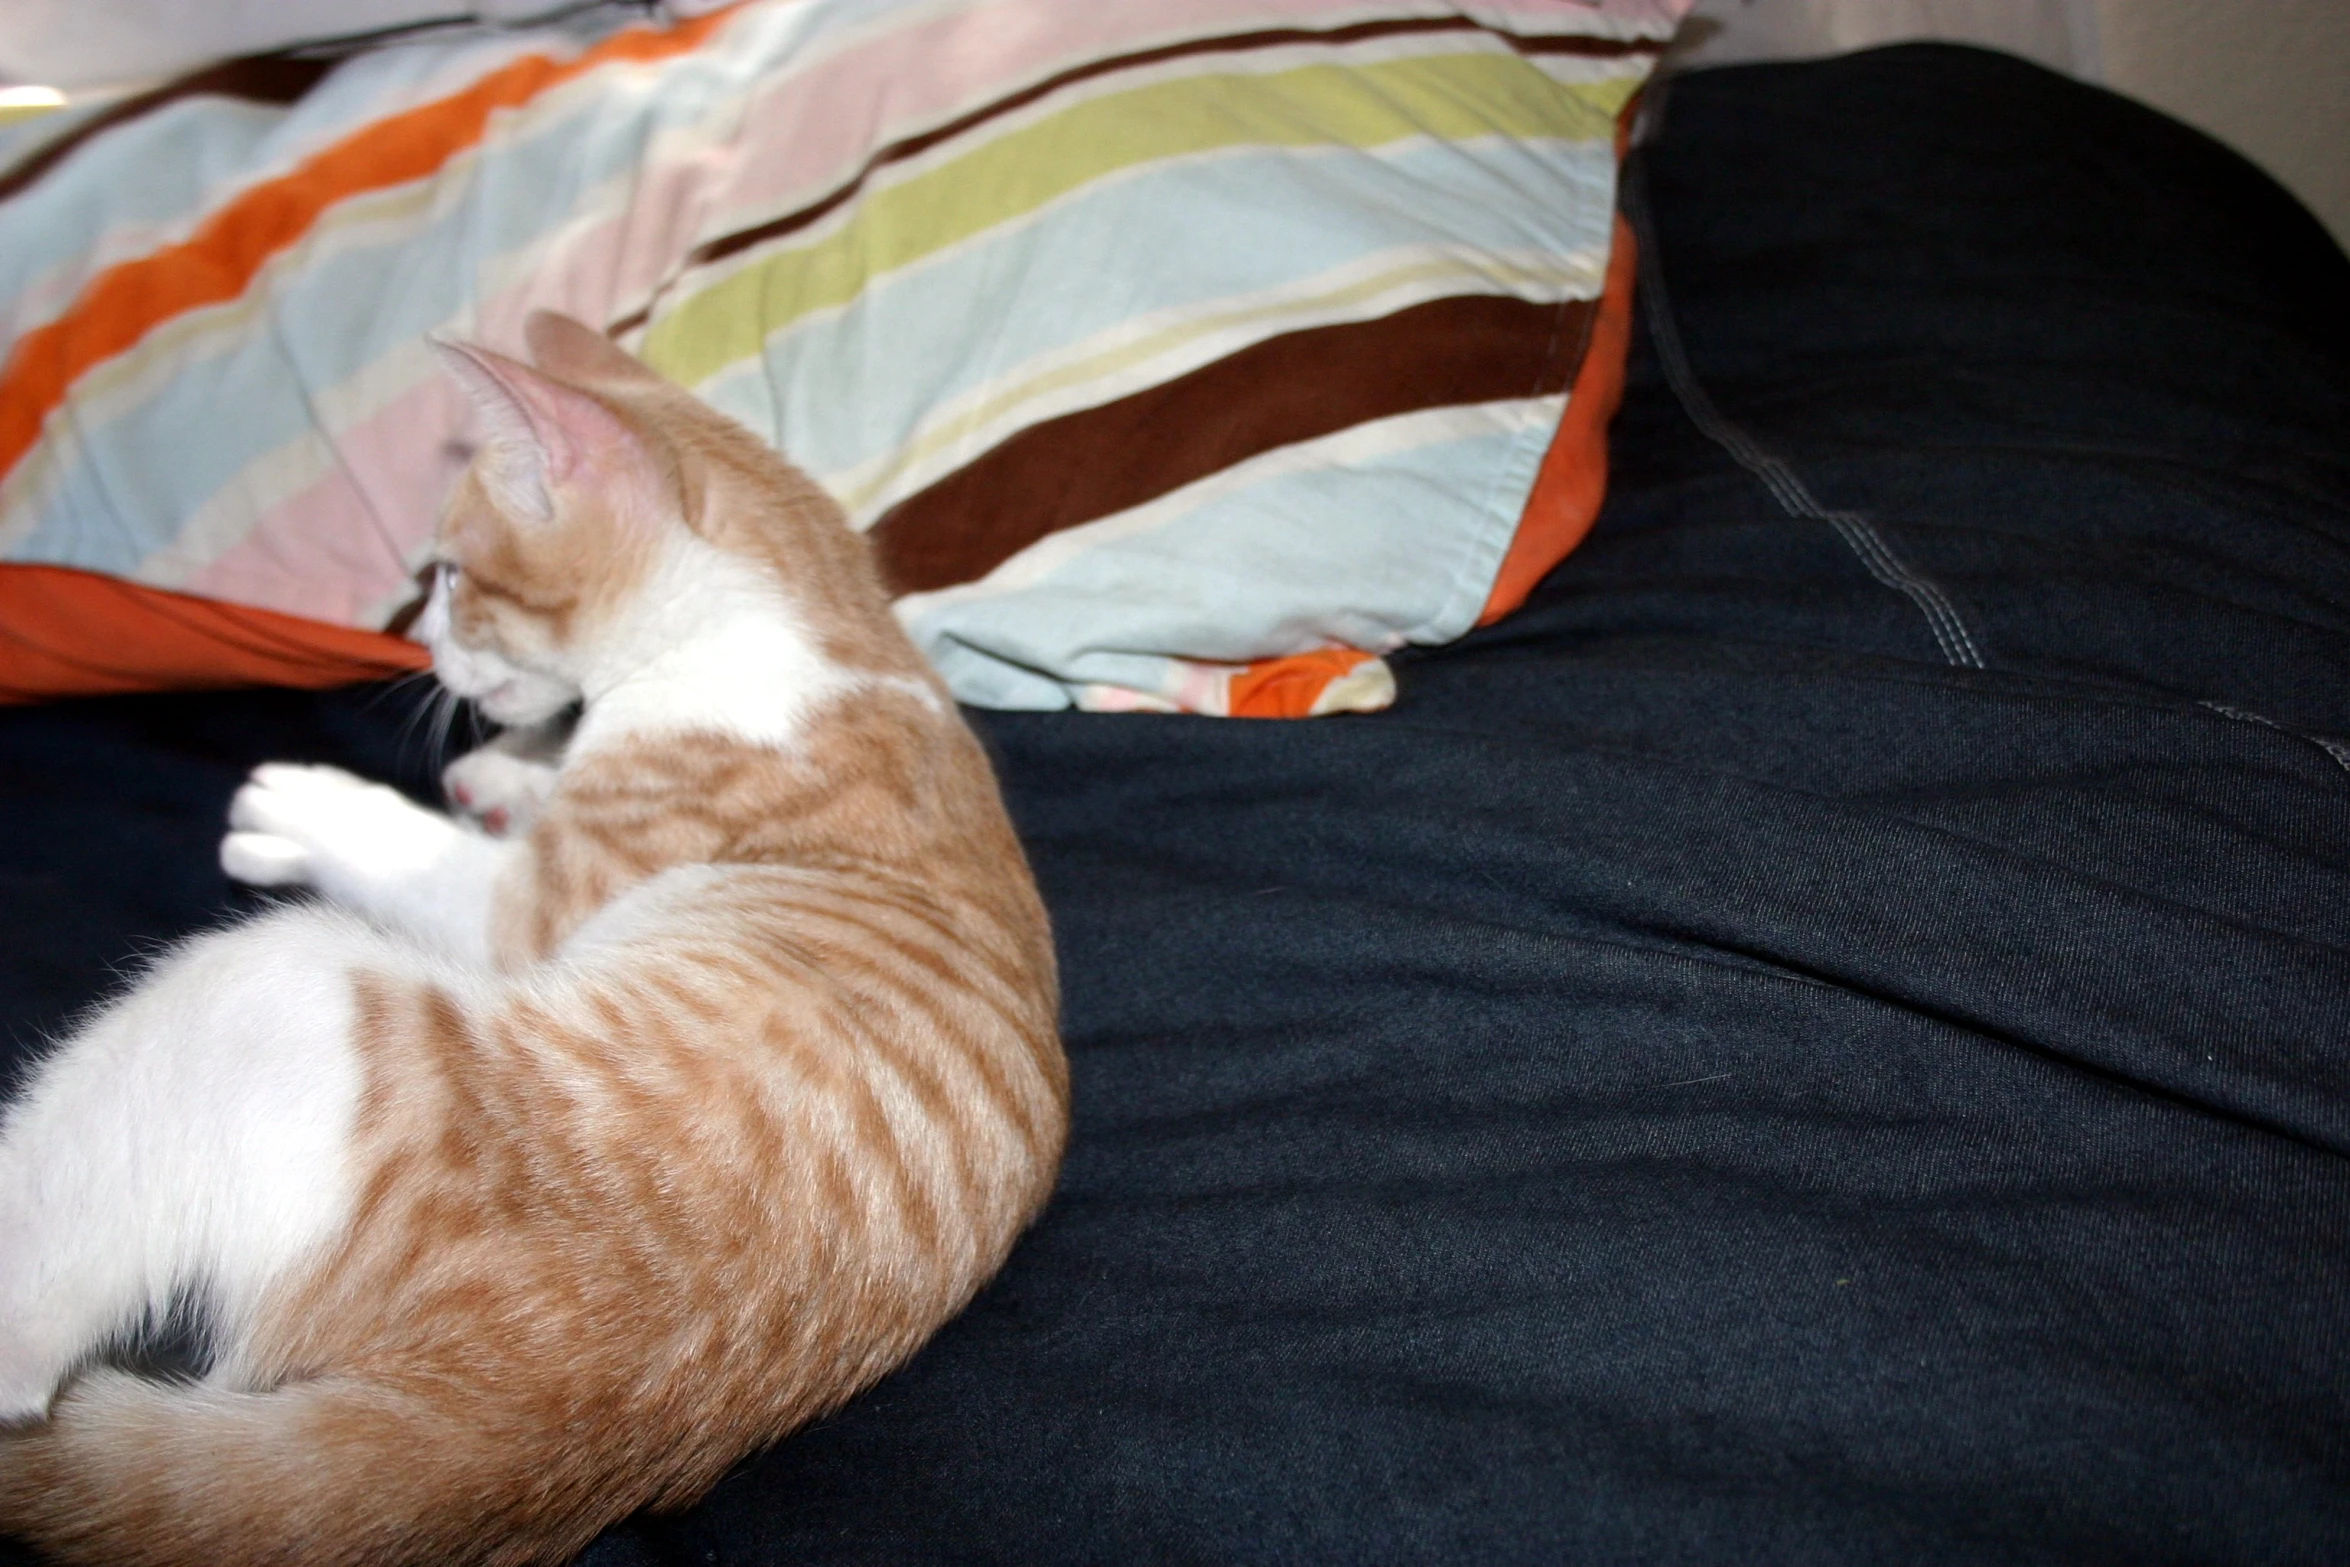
(542,433)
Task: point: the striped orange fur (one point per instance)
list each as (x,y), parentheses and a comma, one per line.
(753,1083)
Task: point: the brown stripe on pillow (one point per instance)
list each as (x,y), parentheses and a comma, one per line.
(1295,387)
(265,78)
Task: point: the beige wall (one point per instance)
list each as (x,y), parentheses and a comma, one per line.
(2271,78)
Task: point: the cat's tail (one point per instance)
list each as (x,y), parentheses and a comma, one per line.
(332,1471)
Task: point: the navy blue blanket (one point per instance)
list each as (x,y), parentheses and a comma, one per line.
(1824,1039)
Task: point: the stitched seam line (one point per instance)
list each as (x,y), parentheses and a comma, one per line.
(2337,749)
(1860,535)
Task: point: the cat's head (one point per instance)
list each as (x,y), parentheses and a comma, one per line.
(608,514)
(556,524)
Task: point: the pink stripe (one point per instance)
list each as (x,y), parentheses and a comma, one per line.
(338,549)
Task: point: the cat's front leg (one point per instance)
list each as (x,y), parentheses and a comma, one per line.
(369,848)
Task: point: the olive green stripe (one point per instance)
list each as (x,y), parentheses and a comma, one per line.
(1447,96)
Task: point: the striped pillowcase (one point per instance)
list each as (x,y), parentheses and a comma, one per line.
(1183,355)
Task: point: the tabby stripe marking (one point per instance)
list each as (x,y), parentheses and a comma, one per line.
(870,1124)
(947,1021)
(923,1200)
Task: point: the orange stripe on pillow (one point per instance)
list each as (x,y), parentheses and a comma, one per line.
(1291,687)
(1572,481)
(219,261)
(76,633)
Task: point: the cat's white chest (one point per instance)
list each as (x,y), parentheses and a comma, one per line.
(756,676)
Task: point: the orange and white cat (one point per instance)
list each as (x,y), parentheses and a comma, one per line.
(529,1181)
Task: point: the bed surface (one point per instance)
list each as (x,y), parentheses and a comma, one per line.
(1730,1067)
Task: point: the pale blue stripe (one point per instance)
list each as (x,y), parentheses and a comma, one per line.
(160,167)
(1414,536)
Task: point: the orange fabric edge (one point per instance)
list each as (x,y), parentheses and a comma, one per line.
(1289,687)
(127,301)
(1572,481)
(65,632)
(1559,510)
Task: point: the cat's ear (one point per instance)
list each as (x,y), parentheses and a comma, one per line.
(565,347)
(541,433)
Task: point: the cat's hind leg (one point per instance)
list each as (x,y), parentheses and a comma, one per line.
(194,1134)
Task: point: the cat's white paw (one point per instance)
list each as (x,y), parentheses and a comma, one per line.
(503,792)
(321,826)
(264,860)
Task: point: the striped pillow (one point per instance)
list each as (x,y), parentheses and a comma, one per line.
(1182,355)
